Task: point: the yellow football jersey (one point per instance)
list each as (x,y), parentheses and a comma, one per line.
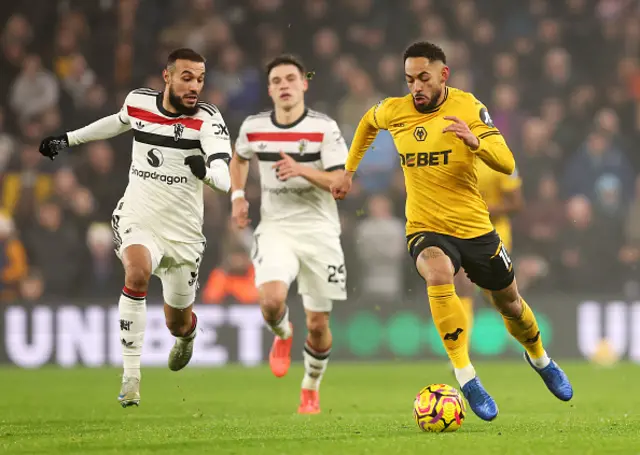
(493,186)
(439,169)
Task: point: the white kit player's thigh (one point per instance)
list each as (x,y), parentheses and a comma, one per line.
(274,257)
(178,272)
(127,232)
(322,269)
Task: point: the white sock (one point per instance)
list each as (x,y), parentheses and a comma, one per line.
(281,328)
(541,362)
(464,375)
(315,364)
(133,320)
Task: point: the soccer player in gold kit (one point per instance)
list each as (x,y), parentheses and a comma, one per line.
(440,134)
(503,195)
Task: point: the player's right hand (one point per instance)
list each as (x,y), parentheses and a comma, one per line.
(51,145)
(341,185)
(240,212)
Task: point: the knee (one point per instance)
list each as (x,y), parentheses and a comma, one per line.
(317,323)
(435,267)
(272,300)
(438,278)
(137,278)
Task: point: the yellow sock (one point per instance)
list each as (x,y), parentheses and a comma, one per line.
(451,321)
(525,330)
(467,304)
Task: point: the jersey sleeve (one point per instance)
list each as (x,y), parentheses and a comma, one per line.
(216,145)
(104,128)
(123,115)
(492,149)
(377,118)
(215,140)
(243,146)
(334,148)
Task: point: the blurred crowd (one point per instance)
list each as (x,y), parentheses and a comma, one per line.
(561,79)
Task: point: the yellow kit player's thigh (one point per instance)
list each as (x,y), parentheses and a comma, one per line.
(486,261)
(420,241)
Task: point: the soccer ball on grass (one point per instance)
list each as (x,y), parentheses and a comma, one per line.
(438,408)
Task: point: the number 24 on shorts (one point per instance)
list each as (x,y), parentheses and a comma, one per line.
(337,274)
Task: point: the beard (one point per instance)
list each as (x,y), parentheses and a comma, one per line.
(179,106)
(433,102)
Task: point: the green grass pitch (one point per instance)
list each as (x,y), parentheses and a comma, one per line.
(367,409)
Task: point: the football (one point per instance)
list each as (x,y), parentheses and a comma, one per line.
(438,408)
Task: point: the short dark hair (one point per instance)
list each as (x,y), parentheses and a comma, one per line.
(184,53)
(425,49)
(285,59)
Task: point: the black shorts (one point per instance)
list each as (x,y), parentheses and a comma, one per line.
(484,259)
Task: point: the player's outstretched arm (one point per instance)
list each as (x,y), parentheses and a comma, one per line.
(287,168)
(239,205)
(333,153)
(105,128)
(495,152)
(239,173)
(374,120)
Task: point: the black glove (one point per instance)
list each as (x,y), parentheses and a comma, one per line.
(51,146)
(197,166)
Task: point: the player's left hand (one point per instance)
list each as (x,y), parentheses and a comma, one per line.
(197,165)
(287,167)
(462,131)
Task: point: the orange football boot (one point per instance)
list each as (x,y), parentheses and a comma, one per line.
(309,402)
(280,355)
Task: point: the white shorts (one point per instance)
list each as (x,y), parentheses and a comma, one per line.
(317,261)
(175,263)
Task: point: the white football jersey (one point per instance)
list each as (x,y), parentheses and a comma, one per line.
(163,194)
(314,140)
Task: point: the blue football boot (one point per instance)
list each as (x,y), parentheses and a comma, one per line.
(555,379)
(479,400)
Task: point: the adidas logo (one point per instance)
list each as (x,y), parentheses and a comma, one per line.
(140,125)
(125,343)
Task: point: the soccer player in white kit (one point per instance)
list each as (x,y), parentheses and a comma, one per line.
(299,151)
(179,144)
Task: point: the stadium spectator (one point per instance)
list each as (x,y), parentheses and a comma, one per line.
(13,260)
(361,96)
(24,186)
(240,83)
(53,248)
(32,288)
(96,174)
(601,172)
(233,281)
(102,275)
(380,249)
(34,91)
(7,144)
(582,246)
